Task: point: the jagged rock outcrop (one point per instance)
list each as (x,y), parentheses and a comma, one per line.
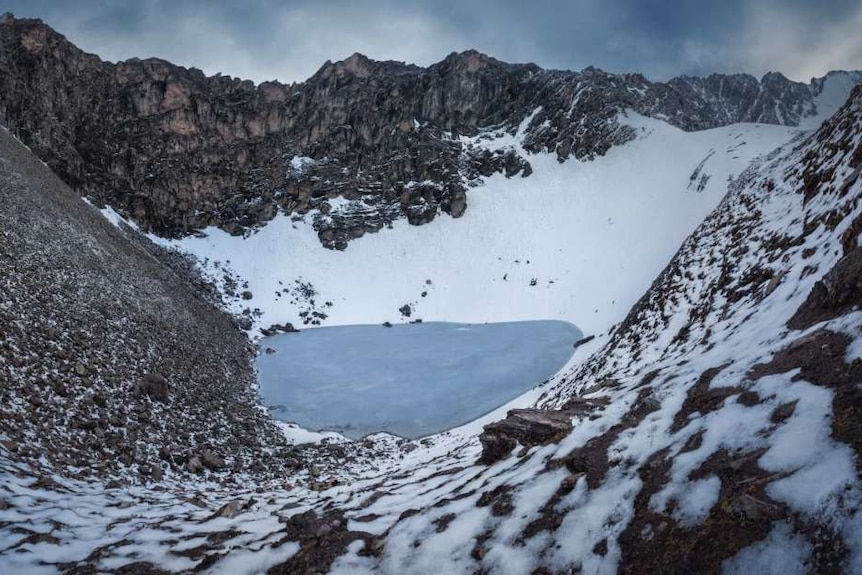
(178,151)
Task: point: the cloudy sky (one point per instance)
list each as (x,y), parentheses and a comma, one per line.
(288,40)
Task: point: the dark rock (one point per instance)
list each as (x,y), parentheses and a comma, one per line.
(153,385)
(156,472)
(212,461)
(527,427)
(840,290)
(322,539)
(584,340)
(406,310)
(194,464)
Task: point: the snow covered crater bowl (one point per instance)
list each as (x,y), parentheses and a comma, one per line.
(410,380)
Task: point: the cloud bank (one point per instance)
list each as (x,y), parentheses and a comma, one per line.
(289,40)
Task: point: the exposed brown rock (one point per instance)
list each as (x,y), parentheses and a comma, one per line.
(155,386)
(839,291)
(322,539)
(655,543)
(528,427)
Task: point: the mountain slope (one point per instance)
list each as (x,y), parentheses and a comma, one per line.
(575,241)
(113,362)
(177,151)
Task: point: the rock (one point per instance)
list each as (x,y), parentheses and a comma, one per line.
(837,292)
(194,464)
(153,385)
(212,461)
(528,427)
(584,340)
(166,455)
(246,295)
(387,324)
(774,282)
(229,510)
(406,310)
(156,472)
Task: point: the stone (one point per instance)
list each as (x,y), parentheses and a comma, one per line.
(527,427)
(229,510)
(153,385)
(837,292)
(156,472)
(212,461)
(194,464)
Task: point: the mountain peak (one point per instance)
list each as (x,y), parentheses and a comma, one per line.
(469,60)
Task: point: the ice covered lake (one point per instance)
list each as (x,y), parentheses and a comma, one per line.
(410,379)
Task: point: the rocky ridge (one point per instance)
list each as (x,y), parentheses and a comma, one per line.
(358,145)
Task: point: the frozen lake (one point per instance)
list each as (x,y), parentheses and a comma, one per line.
(409,379)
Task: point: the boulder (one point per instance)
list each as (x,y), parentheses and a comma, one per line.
(153,385)
(211,460)
(194,464)
(527,427)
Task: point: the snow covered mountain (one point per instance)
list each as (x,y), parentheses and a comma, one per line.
(712,426)
(360,144)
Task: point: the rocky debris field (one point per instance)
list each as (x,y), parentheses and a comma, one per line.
(114,358)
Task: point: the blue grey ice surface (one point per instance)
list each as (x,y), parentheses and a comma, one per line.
(410,380)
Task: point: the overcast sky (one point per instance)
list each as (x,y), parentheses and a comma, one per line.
(289,40)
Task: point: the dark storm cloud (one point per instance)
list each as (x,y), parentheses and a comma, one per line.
(289,40)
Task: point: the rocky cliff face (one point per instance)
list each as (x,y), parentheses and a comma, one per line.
(179,151)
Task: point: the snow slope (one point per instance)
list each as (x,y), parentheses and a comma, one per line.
(590,236)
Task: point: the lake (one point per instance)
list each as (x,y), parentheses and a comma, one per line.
(410,380)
